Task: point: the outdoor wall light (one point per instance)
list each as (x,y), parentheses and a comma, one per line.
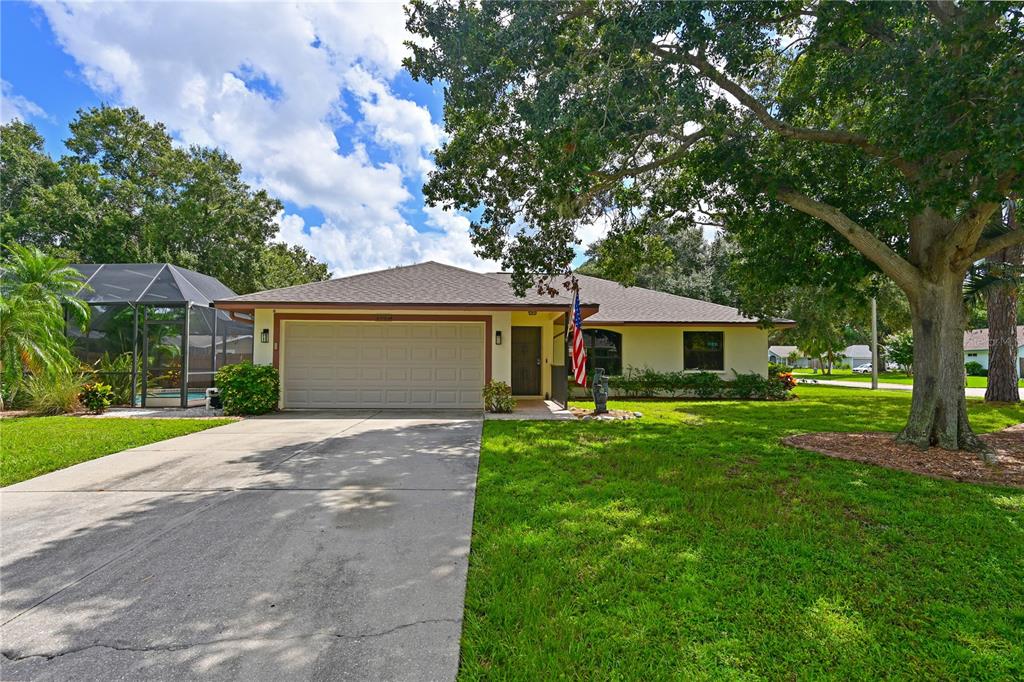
(265,336)
(497,338)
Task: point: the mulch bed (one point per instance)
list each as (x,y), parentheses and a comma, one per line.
(882,450)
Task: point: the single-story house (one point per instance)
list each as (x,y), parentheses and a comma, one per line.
(431,335)
(788,355)
(976,347)
(858,354)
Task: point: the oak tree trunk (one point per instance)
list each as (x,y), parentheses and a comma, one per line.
(1002,344)
(938,411)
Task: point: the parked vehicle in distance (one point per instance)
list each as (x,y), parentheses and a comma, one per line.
(862,369)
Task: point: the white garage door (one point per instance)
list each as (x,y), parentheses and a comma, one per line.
(392,364)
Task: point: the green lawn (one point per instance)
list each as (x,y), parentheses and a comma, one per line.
(32,446)
(690,544)
(884,377)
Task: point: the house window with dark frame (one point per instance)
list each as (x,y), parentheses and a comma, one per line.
(604,350)
(704,351)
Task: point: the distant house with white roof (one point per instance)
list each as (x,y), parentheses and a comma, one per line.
(976,347)
(854,355)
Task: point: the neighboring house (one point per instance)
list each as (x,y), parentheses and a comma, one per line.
(431,335)
(851,355)
(784,355)
(859,354)
(976,347)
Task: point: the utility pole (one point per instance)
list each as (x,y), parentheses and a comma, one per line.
(874,344)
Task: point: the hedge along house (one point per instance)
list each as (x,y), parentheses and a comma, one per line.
(431,335)
(153,334)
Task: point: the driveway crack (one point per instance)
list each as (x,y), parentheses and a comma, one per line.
(14,656)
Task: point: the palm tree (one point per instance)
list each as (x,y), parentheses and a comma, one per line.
(33,275)
(35,291)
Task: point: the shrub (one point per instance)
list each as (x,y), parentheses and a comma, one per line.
(747,386)
(117,372)
(786,380)
(704,384)
(498,397)
(248,389)
(96,396)
(54,392)
(753,386)
(648,383)
(975,369)
(777,368)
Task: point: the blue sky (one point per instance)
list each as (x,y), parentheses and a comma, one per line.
(310,99)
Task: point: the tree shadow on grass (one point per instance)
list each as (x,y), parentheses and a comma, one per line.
(691,542)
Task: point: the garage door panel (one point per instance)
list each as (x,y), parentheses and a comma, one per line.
(447,397)
(370,364)
(418,374)
(469,375)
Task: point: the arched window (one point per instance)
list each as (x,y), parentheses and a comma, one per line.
(604,350)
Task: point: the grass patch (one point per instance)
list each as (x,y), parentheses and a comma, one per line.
(691,544)
(32,446)
(883,377)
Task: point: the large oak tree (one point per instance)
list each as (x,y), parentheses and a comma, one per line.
(832,139)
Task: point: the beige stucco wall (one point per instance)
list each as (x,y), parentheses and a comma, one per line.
(661,348)
(501,356)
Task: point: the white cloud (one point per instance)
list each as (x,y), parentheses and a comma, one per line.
(265,82)
(396,123)
(384,244)
(17,107)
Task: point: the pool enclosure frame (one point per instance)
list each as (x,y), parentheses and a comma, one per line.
(177,340)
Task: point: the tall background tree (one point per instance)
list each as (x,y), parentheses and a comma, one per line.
(126,193)
(833,140)
(678,261)
(997,281)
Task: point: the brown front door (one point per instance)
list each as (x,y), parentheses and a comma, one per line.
(526,360)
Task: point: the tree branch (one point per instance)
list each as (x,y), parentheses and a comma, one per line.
(966,233)
(946,12)
(608,179)
(987,247)
(874,249)
(828,136)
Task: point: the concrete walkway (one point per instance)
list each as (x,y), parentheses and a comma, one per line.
(302,546)
(970,392)
(534,409)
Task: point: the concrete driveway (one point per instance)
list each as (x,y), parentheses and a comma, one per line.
(300,546)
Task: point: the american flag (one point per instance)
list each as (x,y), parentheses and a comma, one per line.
(579,352)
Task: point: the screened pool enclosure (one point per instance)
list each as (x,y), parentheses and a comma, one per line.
(153,335)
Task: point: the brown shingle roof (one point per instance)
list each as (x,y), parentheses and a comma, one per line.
(636,304)
(977,339)
(435,284)
(423,284)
